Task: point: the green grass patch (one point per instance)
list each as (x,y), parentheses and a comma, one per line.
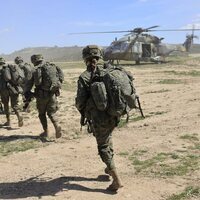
(170,81)
(158,91)
(157,113)
(125,153)
(166,164)
(9,147)
(184,165)
(189,192)
(190,137)
(123,121)
(142,165)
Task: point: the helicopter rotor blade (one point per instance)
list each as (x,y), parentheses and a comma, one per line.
(187,29)
(152,27)
(136,30)
(100,32)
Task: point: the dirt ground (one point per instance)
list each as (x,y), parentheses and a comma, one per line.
(158,157)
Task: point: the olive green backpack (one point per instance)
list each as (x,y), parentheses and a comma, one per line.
(114,91)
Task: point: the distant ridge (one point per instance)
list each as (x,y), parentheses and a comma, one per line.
(55,53)
(61,54)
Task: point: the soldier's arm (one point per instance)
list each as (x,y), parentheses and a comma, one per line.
(82,95)
(60,74)
(37,76)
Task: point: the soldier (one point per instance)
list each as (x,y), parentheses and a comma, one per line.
(47,85)
(101,123)
(28,72)
(9,91)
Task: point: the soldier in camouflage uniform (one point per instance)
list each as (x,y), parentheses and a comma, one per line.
(45,100)
(28,72)
(101,123)
(6,95)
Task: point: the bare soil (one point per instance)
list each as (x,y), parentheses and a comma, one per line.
(156,157)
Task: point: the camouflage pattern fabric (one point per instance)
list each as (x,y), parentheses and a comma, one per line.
(47,105)
(46,101)
(6,96)
(102,123)
(14,101)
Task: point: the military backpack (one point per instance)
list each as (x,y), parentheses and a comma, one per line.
(13,74)
(49,77)
(114,92)
(28,70)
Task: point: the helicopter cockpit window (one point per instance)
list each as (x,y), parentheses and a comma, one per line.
(124,46)
(116,48)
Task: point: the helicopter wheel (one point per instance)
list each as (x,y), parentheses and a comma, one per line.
(137,62)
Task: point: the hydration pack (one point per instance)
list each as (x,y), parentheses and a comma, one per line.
(13,74)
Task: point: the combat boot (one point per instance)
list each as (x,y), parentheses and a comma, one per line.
(7,123)
(58,131)
(116,184)
(107,171)
(20,121)
(45,133)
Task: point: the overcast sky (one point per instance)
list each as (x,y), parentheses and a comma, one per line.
(32,23)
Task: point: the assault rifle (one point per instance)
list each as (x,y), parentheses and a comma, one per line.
(139,106)
(84,121)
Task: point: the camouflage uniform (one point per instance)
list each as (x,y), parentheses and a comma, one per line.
(28,76)
(45,100)
(101,123)
(6,95)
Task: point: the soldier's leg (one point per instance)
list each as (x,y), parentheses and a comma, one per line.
(52,109)
(41,104)
(105,148)
(5,101)
(15,106)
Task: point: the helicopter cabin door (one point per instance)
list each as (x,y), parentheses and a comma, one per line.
(146,50)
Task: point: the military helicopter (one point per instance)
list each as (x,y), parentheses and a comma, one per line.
(138,46)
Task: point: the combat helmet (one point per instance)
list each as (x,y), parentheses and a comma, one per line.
(18,59)
(36,58)
(2,60)
(91,51)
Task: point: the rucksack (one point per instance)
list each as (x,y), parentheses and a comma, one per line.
(119,92)
(28,71)
(51,77)
(13,74)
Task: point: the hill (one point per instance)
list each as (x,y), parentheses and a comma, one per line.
(50,53)
(61,54)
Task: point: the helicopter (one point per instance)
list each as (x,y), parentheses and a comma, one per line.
(139,46)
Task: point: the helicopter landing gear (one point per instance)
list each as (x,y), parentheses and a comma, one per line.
(137,62)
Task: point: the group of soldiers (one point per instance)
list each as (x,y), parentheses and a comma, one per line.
(101,124)
(46,100)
